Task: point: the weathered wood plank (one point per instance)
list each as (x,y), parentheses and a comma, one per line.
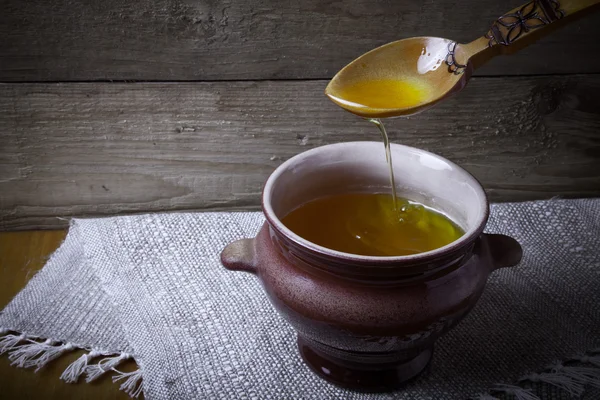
(66,40)
(102,148)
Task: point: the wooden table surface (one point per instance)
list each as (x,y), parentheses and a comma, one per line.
(22,254)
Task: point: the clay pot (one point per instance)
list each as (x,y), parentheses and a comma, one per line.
(370,323)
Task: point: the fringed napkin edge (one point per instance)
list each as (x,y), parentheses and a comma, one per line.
(30,351)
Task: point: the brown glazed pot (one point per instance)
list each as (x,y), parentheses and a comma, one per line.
(369,323)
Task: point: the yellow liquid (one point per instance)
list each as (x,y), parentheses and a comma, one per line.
(366,224)
(386,93)
(376,224)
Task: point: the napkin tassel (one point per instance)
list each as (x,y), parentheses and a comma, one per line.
(72,373)
(132,385)
(571,379)
(37,354)
(583,375)
(94,371)
(9,342)
(572,376)
(559,380)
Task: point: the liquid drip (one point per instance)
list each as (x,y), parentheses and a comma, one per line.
(388,159)
(365,224)
(375,224)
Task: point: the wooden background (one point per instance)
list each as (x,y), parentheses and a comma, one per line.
(111,107)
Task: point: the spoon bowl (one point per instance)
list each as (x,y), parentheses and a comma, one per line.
(370,86)
(411,75)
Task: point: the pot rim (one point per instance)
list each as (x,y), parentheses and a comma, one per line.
(469,237)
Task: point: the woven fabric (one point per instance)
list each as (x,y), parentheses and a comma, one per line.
(153,286)
(66,302)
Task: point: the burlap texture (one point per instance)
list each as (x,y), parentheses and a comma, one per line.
(153,286)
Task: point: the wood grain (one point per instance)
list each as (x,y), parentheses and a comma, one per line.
(22,254)
(67,40)
(102,149)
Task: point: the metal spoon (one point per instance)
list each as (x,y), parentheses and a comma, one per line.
(443,66)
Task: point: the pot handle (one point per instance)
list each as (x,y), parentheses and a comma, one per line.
(505,251)
(239,256)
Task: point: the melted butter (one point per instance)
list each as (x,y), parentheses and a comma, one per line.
(375,224)
(385,93)
(366,224)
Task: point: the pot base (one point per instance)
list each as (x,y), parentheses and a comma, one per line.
(351,373)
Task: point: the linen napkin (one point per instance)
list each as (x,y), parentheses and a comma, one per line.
(151,287)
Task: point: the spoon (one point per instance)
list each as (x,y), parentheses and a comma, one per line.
(410,75)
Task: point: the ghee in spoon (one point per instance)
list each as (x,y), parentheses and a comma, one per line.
(385,93)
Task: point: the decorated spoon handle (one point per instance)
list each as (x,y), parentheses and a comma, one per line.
(523,25)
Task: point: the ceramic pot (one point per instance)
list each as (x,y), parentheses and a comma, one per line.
(370,323)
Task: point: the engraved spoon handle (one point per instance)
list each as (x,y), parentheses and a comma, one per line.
(524,25)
